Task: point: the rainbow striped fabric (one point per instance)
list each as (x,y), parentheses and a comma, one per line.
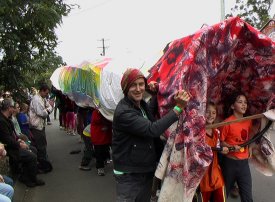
(91,84)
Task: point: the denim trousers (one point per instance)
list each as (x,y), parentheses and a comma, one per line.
(6,192)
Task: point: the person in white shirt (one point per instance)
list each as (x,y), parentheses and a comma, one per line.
(39,110)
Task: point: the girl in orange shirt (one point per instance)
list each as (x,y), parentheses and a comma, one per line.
(235,165)
(212,183)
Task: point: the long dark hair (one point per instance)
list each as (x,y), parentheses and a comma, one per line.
(228,111)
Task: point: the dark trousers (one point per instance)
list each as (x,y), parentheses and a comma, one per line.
(29,163)
(54,112)
(88,151)
(25,164)
(238,171)
(101,154)
(60,117)
(81,123)
(40,142)
(48,119)
(134,187)
(217,195)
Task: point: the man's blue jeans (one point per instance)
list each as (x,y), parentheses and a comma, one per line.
(6,192)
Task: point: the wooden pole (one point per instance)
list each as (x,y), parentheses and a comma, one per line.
(216,125)
(222,10)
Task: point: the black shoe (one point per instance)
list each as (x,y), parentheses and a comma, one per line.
(39,182)
(100,172)
(30,184)
(40,171)
(26,181)
(85,162)
(108,161)
(85,168)
(75,151)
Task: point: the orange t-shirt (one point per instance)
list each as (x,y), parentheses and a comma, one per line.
(213,178)
(236,134)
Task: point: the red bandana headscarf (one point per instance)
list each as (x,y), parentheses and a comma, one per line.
(129,77)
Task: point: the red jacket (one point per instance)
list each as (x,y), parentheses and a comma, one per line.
(101,129)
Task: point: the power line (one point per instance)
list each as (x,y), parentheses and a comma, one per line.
(91,8)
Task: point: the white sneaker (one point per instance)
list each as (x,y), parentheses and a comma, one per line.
(85,168)
(108,161)
(100,172)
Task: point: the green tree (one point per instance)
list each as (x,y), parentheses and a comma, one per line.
(255,12)
(28,40)
(48,62)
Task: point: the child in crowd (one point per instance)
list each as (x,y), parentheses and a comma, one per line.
(235,165)
(62,112)
(101,135)
(23,120)
(212,183)
(70,117)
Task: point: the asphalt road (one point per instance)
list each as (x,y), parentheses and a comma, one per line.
(66,183)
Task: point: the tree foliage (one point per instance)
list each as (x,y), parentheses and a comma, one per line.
(28,40)
(255,12)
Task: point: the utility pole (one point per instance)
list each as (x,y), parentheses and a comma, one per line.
(222,11)
(103,47)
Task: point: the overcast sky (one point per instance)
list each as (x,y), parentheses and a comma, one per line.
(135,30)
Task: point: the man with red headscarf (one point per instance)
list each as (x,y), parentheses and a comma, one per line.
(134,133)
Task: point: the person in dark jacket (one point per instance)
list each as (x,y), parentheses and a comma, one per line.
(18,151)
(134,133)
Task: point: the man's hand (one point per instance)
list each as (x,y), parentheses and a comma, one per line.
(181,98)
(2,150)
(23,145)
(225,150)
(51,102)
(2,179)
(153,86)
